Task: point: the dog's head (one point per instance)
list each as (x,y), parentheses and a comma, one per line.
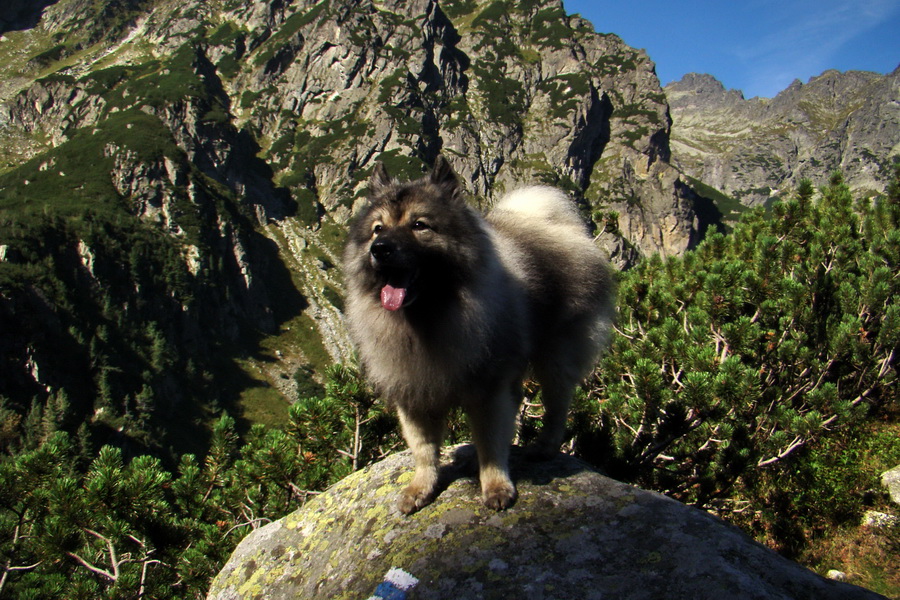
(412,235)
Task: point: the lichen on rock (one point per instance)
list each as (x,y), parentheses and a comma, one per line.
(573,533)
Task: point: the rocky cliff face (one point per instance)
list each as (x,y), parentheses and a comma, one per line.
(512,93)
(517,92)
(755,149)
(572,533)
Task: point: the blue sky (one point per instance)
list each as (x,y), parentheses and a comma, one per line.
(756,46)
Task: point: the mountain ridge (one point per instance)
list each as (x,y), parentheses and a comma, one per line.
(758,148)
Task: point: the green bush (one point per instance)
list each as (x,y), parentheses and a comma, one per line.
(61,529)
(735,358)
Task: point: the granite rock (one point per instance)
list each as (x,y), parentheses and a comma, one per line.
(573,533)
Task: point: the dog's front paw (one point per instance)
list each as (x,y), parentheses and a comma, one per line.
(413,498)
(499,496)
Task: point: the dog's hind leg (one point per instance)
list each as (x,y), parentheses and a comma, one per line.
(562,362)
(493,425)
(424,433)
(556,392)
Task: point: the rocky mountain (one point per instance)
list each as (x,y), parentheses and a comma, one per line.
(754,149)
(515,92)
(175,176)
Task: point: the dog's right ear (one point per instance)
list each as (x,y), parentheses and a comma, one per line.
(380,179)
(442,174)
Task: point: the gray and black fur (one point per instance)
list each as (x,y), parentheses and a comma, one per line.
(449,308)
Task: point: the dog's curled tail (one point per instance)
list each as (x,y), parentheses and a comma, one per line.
(544,203)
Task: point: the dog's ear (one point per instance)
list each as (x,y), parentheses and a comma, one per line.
(380,179)
(442,174)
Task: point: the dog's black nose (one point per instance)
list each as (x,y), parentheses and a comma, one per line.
(381,249)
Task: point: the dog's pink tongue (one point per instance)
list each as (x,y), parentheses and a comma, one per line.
(391,297)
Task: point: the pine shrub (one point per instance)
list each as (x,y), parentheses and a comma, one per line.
(735,358)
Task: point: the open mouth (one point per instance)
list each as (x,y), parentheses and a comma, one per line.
(397,292)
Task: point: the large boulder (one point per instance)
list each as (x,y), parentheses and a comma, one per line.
(573,533)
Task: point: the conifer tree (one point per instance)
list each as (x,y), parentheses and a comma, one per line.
(10,435)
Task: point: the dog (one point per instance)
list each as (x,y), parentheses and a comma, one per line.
(448,308)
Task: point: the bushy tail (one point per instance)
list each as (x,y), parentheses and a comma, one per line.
(547,204)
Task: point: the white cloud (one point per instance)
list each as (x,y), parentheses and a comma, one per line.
(805,37)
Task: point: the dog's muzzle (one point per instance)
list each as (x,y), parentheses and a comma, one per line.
(394,266)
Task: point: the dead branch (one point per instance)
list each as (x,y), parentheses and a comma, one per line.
(798,442)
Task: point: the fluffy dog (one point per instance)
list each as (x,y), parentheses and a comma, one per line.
(448,309)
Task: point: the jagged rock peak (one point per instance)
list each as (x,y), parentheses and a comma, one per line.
(572,533)
(701,84)
(757,148)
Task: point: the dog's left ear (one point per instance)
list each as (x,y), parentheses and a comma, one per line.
(380,179)
(442,174)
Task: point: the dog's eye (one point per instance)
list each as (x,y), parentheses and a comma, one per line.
(420,226)
(377,228)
